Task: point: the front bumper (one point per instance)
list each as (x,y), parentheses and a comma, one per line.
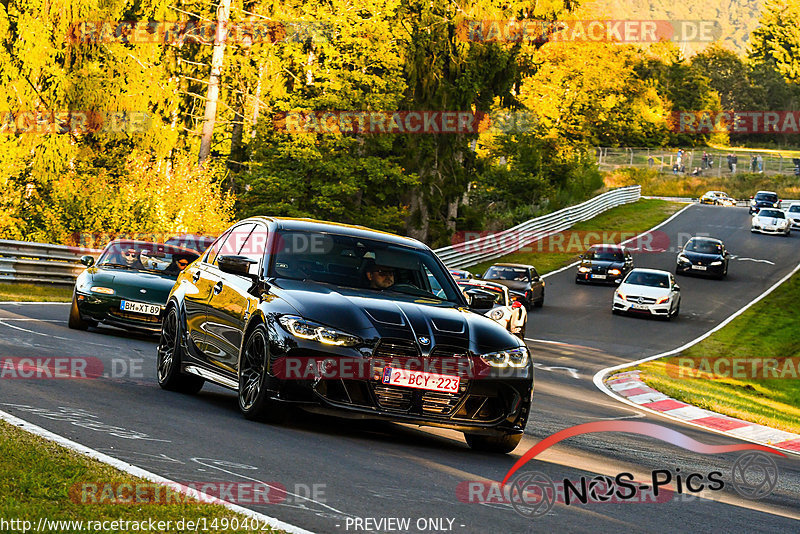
(497,401)
(708,270)
(599,278)
(105,309)
(770,230)
(654,310)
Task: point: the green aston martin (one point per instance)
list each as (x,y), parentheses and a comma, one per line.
(128,286)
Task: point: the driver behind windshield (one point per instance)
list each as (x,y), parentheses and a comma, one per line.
(379,276)
(130,258)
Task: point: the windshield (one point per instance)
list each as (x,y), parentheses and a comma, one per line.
(794,209)
(144,256)
(775,214)
(518,274)
(361,263)
(703,246)
(499,296)
(767,196)
(604,255)
(639,278)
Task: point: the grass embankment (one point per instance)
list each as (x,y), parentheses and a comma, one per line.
(39,475)
(768,330)
(35,293)
(740,185)
(614,225)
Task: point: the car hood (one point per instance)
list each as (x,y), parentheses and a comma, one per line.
(700,258)
(372,315)
(603,264)
(512,284)
(763,219)
(129,284)
(643,291)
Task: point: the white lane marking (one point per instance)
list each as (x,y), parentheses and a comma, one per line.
(37,320)
(602,373)
(3,323)
(147,475)
(573,372)
(212,465)
(753,259)
(13,303)
(656,227)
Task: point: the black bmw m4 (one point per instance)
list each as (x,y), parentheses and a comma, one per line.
(348,321)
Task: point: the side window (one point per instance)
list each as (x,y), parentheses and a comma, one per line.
(433,283)
(254,247)
(534,274)
(215,247)
(234,241)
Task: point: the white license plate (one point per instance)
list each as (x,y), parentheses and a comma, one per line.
(421,380)
(140,307)
(700,267)
(640,306)
(599,276)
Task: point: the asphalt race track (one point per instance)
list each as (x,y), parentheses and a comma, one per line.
(337,471)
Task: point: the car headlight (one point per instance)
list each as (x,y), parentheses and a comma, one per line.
(305,329)
(662,300)
(614,272)
(683,259)
(517,357)
(103,290)
(619,295)
(496,314)
(583,269)
(714,263)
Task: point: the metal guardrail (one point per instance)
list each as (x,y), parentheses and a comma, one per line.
(493,246)
(24,261)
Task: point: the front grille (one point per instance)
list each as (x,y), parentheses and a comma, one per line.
(393,397)
(405,355)
(135,316)
(642,300)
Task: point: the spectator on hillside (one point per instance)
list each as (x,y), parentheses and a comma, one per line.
(753,163)
(734,161)
(760,161)
(705,160)
(730,162)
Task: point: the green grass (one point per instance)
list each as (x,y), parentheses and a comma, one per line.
(35,293)
(769,329)
(38,476)
(616,224)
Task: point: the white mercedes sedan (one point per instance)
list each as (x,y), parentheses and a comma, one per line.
(648,292)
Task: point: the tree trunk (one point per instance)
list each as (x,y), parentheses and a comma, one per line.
(223,12)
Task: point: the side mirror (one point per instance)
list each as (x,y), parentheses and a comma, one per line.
(582,256)
(238,265)
(87,260)
(479,299)
(677,288)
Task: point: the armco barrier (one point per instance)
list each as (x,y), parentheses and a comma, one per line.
(23,261)
(475,251)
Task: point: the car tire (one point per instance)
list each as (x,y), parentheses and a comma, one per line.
(255,402)
(169,357)
(500,443)
(75,322)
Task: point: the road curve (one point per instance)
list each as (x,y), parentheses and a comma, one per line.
(338,471)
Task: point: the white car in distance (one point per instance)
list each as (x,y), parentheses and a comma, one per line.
(770,221)
(507,310)
(648,292)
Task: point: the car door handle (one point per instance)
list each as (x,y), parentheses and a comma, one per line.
(218,287)
(196,276)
